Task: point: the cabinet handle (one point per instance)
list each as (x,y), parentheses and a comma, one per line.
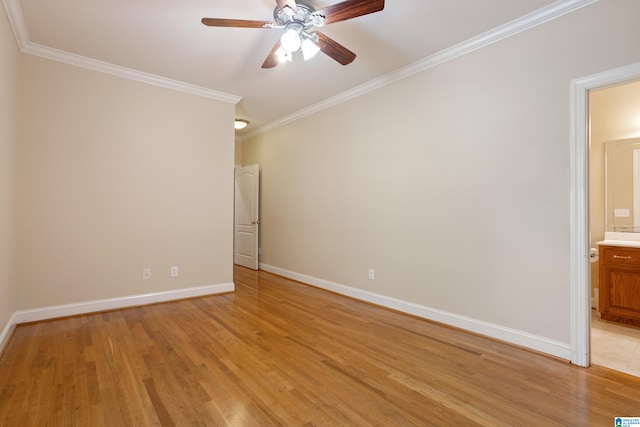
(622,257)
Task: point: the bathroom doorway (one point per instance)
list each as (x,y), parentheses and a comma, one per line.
(614,115)
(580,266)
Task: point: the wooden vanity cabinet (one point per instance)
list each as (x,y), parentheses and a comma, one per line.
(620,284)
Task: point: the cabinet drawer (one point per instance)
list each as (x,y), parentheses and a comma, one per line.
(620,255)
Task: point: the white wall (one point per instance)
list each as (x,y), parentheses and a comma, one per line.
(452,184)
(8,141)
(238,153)
(115,175)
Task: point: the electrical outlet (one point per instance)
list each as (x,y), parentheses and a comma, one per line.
(174,271)
(621,213)
(146,274)
(372,274)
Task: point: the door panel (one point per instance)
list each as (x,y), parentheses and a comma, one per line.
(246,227)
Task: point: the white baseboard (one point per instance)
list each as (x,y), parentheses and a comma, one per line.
(512,336)
(45,313)
(6,332)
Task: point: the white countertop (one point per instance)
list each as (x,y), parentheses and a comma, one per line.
(620,239)
(627,243)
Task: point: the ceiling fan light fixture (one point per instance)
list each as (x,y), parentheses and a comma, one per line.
(240,124)
(290,40)
(309,49)
(283,55)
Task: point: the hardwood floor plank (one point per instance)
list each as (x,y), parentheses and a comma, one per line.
(277,352)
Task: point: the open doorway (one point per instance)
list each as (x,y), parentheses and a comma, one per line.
(580,268)
(614,119)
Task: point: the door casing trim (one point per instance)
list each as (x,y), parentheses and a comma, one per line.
(580,272)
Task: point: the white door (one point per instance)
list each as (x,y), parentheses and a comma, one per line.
(245,246)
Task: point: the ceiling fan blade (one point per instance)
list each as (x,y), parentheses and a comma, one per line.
(286,3)
(242,23)
(272,60)
(349,9)
(334,49)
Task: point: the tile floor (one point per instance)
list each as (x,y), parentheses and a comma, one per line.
(615,346)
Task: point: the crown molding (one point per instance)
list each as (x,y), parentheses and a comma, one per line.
(127,73)
(545,14)
(524,23)
(16,19)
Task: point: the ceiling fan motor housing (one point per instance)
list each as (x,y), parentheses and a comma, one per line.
(304,16)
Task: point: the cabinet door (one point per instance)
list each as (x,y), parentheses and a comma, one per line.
(622,297)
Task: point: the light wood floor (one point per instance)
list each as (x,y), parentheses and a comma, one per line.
(276,352)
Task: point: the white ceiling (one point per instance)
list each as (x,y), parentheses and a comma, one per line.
(164,39)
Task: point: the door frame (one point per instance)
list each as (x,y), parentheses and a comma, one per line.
(580,272)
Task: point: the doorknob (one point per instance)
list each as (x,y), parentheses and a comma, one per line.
(255,222)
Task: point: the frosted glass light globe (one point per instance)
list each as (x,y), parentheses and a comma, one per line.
(290,40)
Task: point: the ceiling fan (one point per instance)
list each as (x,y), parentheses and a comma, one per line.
(298,19)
